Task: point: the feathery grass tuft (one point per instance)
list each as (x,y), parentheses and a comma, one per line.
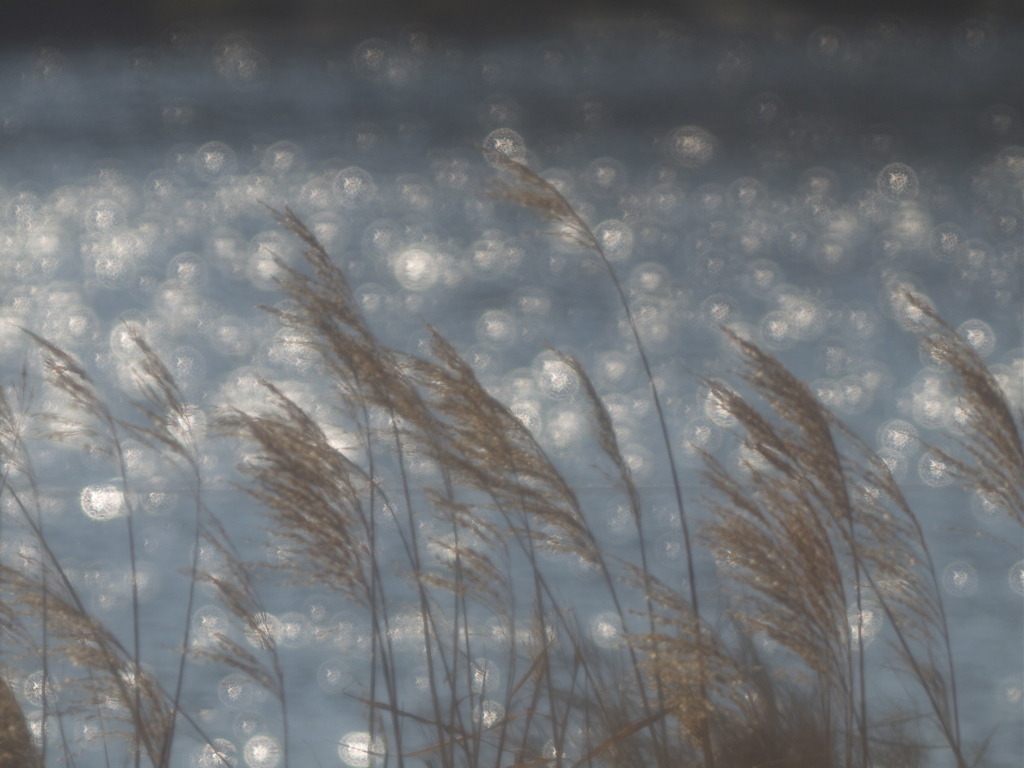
(813,538)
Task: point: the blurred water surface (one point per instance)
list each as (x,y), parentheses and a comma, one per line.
(789,187)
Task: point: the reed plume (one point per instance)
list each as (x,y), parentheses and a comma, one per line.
(816,532)
(440,497)
(992,429)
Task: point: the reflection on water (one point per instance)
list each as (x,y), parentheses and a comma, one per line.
(790,190)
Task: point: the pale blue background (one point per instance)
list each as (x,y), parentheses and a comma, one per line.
(114,163)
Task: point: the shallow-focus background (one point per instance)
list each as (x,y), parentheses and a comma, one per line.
(780,173)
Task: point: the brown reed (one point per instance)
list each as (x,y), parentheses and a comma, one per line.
(810,531)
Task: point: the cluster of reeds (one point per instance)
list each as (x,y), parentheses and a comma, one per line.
(440,496)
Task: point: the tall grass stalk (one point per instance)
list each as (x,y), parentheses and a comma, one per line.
(437,496)
(534,192)
(992,434)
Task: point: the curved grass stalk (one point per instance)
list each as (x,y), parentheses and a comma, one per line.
(790,525)
(532,191)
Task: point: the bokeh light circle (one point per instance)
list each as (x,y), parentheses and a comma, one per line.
(960,579)
(103,502)
(416,269)
(606,630)
(263,752)
(692,147)
(354,187)
(357,750)
(898,435)
(898,182)
(214,161)
(605,177)
(333,676)
(979,335)
(507,142)
(496,329)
